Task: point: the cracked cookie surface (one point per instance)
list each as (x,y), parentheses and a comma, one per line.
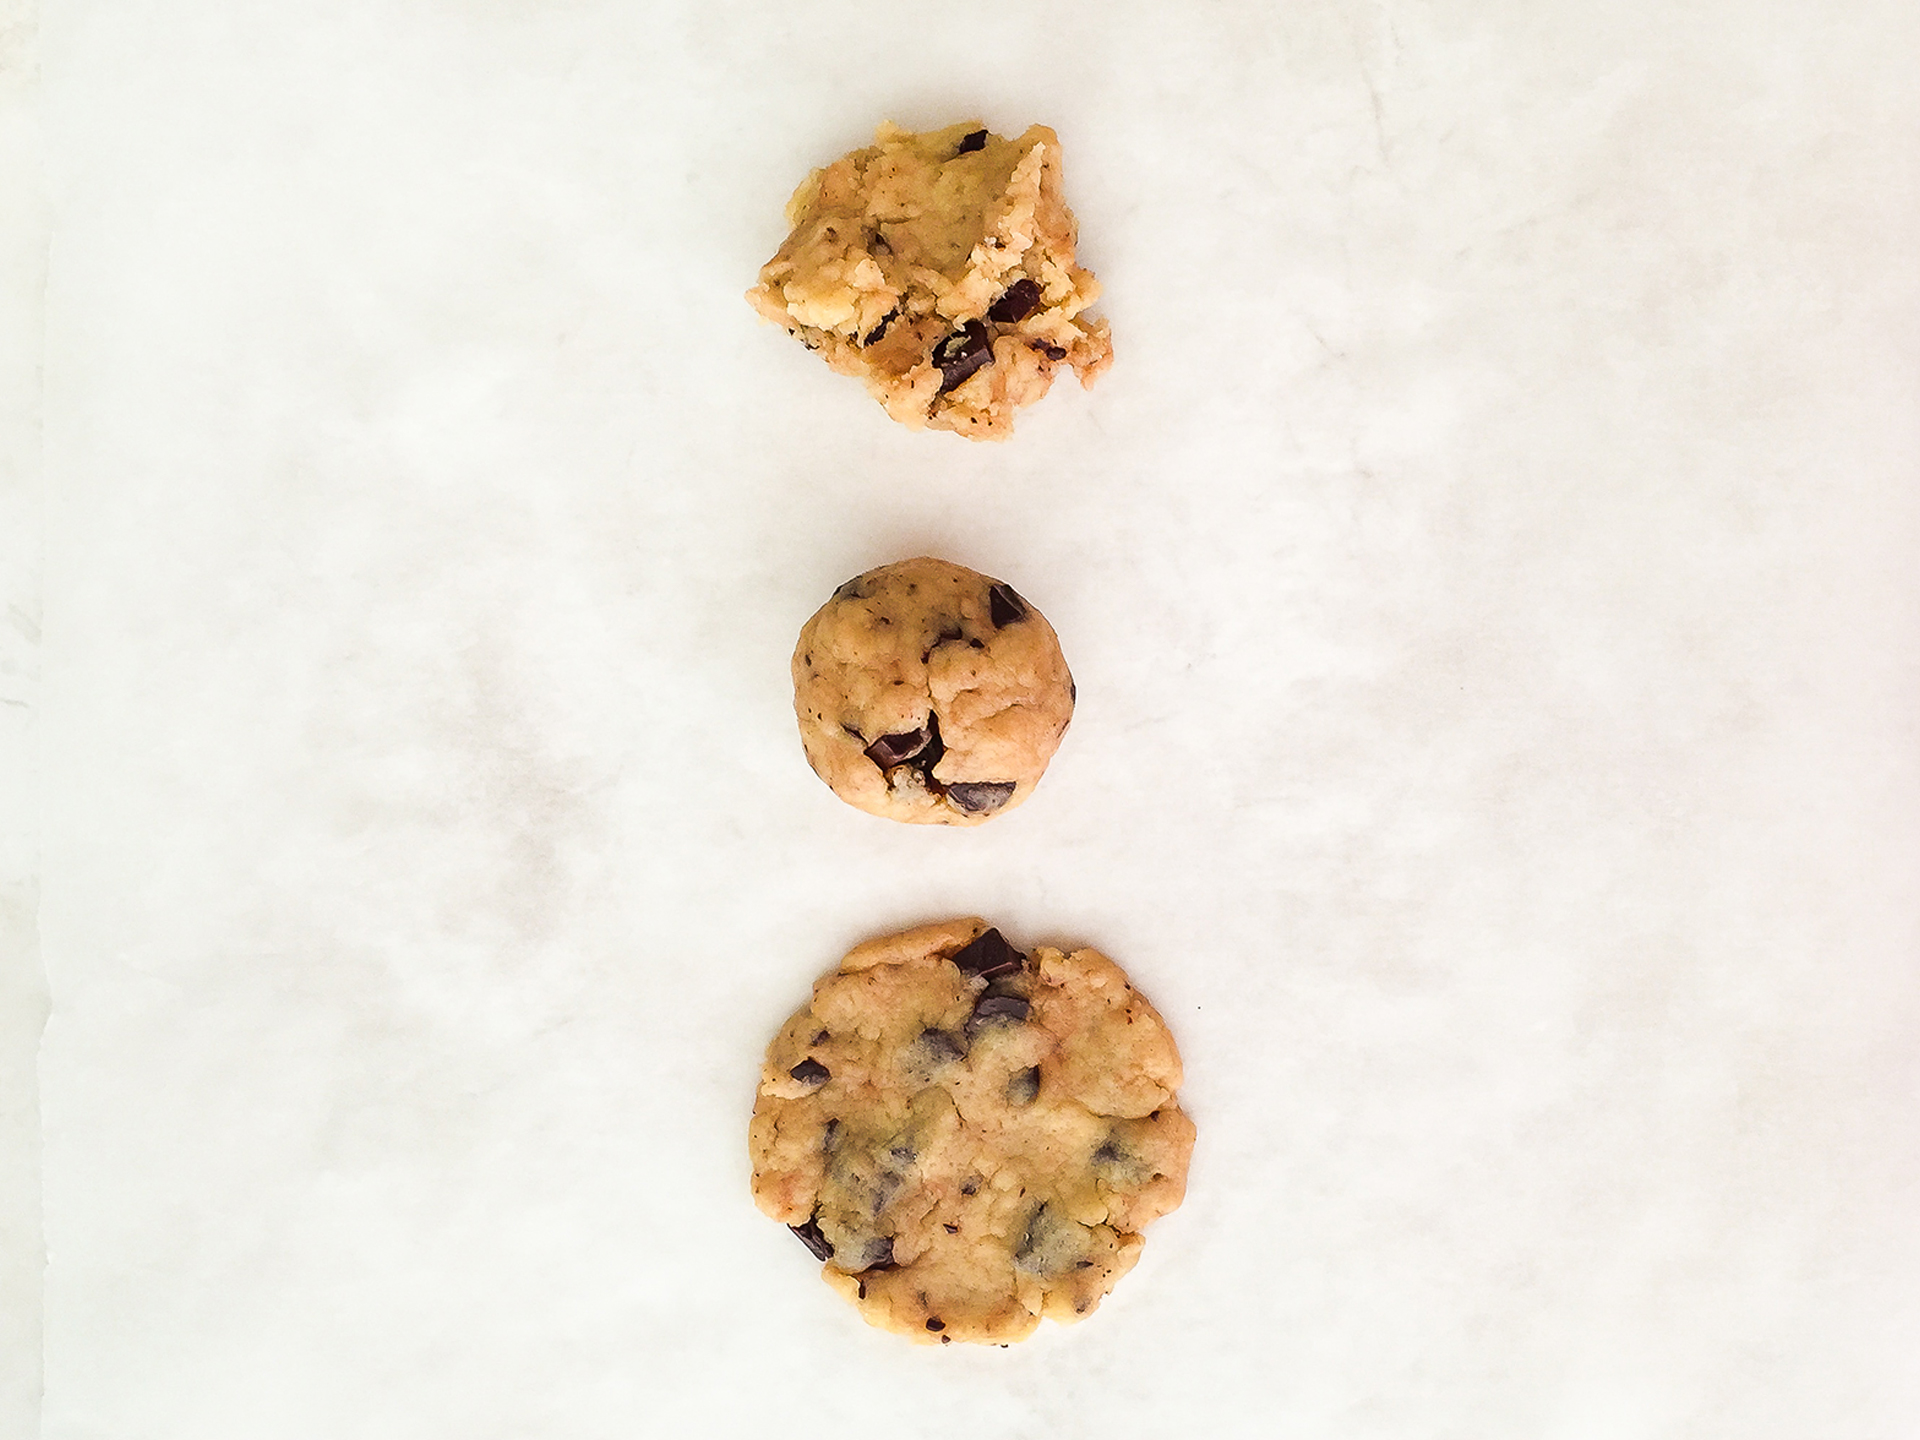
(971,1138)
(939,269)
(929,693)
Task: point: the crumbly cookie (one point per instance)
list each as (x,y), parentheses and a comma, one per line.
(971,1138)
(929,693)
(938,268)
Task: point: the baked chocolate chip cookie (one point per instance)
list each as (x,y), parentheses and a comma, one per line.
(971,1138)
(929,693)
(939,268)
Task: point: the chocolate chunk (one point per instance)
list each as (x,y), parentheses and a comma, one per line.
(950,1229)
(811,1237)
(936,1324)
(969,143)
(880,328)
(891,750)
(978,797)
(941,1047)
(964,351)
(972,1186)
(1031,1237)
(811,1072)
(879,1255)
(819,1038)
(995,1008)
(1019,300)
(1023,1086)
(1050,350)
(1005,605)
(988,954)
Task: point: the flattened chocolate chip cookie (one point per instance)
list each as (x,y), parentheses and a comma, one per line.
(929,693)
(969,1137)
(939,268)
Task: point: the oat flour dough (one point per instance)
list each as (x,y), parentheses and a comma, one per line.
(969,1137)
(929,693)
(938,268)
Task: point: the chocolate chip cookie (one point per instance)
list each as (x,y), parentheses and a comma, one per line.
(929,693)
(939,268)
(969,1137)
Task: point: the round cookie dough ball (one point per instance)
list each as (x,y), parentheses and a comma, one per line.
(971,1138)
(929,693)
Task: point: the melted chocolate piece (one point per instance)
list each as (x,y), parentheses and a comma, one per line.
(1109,1154)
(811,1237)
(964,351)
(1019,300)
(880,1255)
(1023,1086)
(811,1072)
(1030,1238)
(979,797)
(969,143)
(891,750)
(880,328)
(1005,605)
(942,1047)
(996,1008)
(988,954)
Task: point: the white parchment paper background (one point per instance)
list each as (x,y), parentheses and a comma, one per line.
(1489,572)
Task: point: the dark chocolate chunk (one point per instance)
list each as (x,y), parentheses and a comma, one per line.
(971,1187)
(936,1324)
(811,1237)
(1023,1086)
(891,750)
(964,351)
(1020,300)
(1030,1237)
(811,1072)
(1050,350)
(880,328)
(819,1037)
(995,1008)
(969,143)
(950,1229)
(977,797)
(1005,605)
(941,1047)
(988,954)
(879,1255)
